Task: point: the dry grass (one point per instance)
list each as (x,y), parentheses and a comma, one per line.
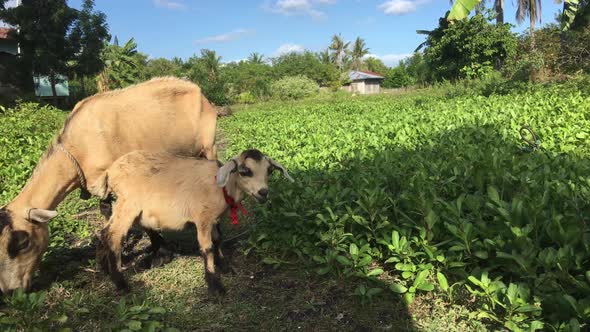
(260,297)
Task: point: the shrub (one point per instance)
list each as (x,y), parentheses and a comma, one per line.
(246,98)
(575,52)
(294,87)
(524,68)
(451,48)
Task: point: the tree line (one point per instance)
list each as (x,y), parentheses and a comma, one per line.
(58,40)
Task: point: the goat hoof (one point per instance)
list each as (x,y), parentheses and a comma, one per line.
(162,257)
(226,268)
(217,290)
(123,289)
(121,285)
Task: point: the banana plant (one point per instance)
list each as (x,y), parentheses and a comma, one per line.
(462,8)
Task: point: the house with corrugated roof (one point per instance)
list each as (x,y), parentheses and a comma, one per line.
(364,82)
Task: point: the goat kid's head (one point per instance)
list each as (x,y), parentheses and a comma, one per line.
(23,239)
(253,170)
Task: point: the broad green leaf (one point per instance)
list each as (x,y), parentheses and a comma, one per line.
(461,9)
(442,281)
(343,260)
(397,288)
(421,278)
(426,286)
(375,272)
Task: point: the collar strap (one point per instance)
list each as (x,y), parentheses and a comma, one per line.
(233,205)
(79,172)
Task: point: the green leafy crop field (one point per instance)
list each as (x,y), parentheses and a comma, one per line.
(404,199)
(428,194)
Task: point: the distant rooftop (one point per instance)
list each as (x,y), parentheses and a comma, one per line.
(363,75)
(4,33)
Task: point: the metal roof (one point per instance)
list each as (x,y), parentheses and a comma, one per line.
(363,75)
(4,33)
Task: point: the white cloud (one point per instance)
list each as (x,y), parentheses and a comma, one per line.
(225,37)
(299,7)
(170,4)
(390,60)
(399,7)
(289,48)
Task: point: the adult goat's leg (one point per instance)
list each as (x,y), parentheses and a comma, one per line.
(161,255)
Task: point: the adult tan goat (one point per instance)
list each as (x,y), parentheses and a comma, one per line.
(162,114)
(165,192)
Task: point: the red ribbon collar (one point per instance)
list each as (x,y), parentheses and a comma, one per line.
(234,207)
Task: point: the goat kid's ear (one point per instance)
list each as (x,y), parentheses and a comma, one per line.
(224,172)
(41,215)
(281,168)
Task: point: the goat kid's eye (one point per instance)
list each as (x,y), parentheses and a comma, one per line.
(245,172)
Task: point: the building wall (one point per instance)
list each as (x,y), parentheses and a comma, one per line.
(358,87)
(372,87)
(364,87)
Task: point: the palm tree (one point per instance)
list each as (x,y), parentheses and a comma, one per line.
(359,50)
(532,10)
(324,56)
(338,48)
(499,8)
(256,58)
(211,62)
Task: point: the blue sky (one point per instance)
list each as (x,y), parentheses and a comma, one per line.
(167,28)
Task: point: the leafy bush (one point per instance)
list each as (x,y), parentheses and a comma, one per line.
(246,98)
(27,312)
(294,87)
(575,51)
(140,316)
(476,40)
(25,133)
(425,193)
(31,312)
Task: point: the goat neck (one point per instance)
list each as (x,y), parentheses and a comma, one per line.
(232,188)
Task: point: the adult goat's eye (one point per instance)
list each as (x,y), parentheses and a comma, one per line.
(19,241)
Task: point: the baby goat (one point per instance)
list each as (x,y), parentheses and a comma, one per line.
(164,192)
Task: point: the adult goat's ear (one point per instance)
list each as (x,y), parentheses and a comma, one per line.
(281,168)
(41,215)
(224,172)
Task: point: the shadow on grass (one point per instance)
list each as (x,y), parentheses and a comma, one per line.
(405,183)
(398,187)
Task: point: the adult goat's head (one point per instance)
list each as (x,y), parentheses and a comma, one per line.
(23,239)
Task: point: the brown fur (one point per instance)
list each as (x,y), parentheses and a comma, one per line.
(164,192)
(167,114)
